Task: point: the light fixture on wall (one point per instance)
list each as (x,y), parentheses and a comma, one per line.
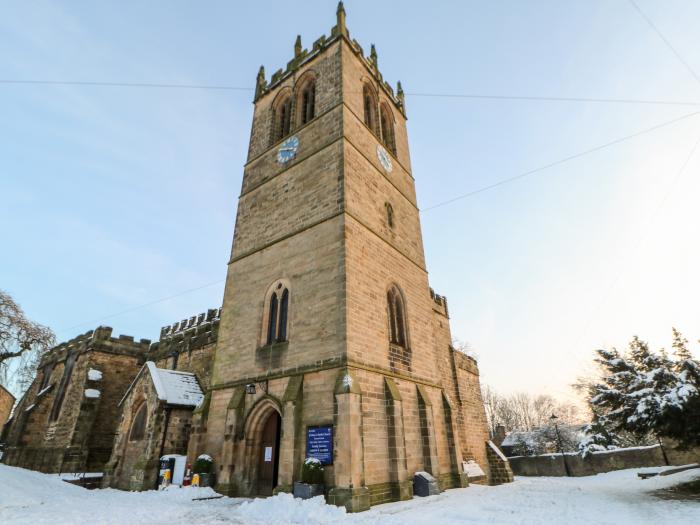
(251,389)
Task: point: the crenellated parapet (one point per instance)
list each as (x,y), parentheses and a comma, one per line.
(99,339)
(189,334)
(440,302)
(302,56)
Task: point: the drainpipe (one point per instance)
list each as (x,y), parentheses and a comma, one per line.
(162,443)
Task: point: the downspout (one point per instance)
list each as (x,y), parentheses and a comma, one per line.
(165,434)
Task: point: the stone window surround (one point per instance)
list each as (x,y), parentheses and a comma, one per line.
(278,287)
(293,96)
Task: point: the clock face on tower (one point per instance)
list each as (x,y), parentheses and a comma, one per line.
(384,158)
(288,150)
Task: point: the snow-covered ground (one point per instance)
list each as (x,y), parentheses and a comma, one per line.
(618,498)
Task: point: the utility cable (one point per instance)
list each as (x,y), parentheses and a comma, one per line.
(560,161)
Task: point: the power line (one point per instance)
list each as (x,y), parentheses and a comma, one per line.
(665,40)
(477,96)
(123,84)
(485,188)
(471,96)
(560,161)
(634,248)
(144,305)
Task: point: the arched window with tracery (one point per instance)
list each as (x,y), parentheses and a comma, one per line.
(282,118)
(307,101)
(277,314)
(387,123)
(397,317)
(370,108)
(138,424)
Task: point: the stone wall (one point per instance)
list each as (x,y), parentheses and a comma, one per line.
(79,437)
(189,346)
(599,462)
(7,401)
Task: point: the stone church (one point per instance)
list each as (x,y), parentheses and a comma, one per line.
(330,343)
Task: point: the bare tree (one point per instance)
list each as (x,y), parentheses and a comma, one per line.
(522,411)
(22,343)
(464,347)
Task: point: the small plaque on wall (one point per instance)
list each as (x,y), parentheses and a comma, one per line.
(319,444)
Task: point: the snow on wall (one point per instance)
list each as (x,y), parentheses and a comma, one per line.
(497,451)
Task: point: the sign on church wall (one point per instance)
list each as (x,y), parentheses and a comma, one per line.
(319,444)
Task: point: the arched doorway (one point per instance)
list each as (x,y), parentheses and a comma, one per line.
(268,459)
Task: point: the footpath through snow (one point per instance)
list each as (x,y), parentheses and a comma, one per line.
(618,498)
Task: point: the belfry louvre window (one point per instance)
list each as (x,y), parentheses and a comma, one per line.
(138,424)
(282,119)
(370,107)
(308,102)
(277,315)
(397,317)
(387,122)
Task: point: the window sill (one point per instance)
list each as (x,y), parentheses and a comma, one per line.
(278,346)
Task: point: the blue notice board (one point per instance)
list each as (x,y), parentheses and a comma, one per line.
(319,444)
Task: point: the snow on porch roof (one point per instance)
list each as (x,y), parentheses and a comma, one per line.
(173,387)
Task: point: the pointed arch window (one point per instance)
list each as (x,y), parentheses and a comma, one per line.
(138,424)
(282,119)
(370,108)
(277,315)
(308,102)
(389,214)
(387,123)
(397,317)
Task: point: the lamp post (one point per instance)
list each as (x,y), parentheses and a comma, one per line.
(553,419)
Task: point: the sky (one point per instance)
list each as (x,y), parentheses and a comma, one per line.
(118,203)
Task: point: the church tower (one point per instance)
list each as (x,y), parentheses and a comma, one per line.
(332,344)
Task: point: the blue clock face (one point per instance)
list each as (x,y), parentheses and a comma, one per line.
(288,150)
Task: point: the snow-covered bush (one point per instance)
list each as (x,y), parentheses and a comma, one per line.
(203,464)
(312,472)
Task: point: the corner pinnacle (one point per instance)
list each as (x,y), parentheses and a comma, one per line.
(400,95)
(260,82)
(340,16)
(297,46)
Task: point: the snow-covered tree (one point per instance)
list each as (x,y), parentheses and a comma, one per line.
(645,393)
(599,436)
